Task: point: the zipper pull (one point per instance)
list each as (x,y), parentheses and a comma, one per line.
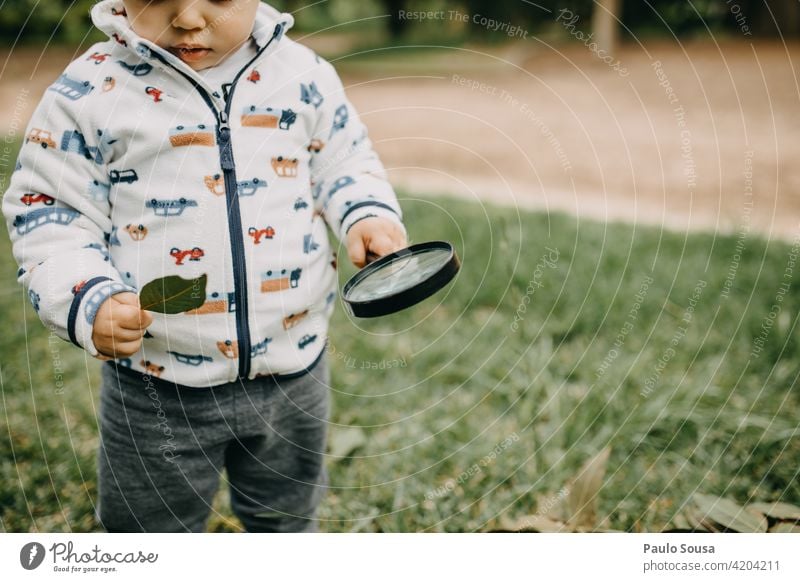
(226,151)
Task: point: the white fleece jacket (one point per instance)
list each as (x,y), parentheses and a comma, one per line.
(134,169)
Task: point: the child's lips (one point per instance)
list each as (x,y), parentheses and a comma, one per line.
(190,54)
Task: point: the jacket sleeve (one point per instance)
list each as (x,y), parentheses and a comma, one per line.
(58,217)
(349,181)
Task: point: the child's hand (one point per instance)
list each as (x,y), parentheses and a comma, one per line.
(119,325)
(374,235)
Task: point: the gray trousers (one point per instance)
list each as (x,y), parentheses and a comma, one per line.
(163,448)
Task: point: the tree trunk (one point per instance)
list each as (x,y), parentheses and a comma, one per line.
(605,24)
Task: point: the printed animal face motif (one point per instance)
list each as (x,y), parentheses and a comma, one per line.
(229,349)
(151,368)
(137,231)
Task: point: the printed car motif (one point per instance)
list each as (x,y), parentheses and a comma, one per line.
(191,135)
(120,176)
(260,347)
(34,298)
(309,245)
(267,117)
(257,233)
(73,142)
(300,203)
(42,137)
(279,280)
(108,84)
(112,238)
(285,168)
(215,184)
(170,207)
(99,191)
(72,89)
(25,223)
(229,349)
(340,183)
(32,198)
(292,320)
(306,340)
(249,187)
(194,254)
(340,119)
(316,146)
(190,360)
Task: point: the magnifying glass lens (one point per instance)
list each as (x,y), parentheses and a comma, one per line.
(399,275)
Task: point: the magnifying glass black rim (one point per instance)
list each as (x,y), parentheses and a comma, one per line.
(408,297)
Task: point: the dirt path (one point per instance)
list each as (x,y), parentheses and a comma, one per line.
(708,139)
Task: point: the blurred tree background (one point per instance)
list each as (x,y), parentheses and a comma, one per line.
(67,21)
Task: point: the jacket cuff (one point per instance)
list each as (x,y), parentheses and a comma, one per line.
(84,307)
(366,209)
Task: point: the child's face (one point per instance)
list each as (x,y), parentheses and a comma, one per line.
(199,32)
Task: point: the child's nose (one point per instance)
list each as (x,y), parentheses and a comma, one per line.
(188,15)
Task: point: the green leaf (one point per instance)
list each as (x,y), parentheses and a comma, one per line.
(777,510)
(728,515)
(173,294)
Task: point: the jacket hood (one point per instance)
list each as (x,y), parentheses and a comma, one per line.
(110,17)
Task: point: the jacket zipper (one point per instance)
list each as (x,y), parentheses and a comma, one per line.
(232,199)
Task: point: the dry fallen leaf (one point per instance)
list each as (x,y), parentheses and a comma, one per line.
(584,489)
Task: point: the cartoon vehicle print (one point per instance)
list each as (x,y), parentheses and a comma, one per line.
(254,76)
(98,58)
(108,84)
(100,248)
(152,369)
(268,117)
(191,135)
(99,191)
(73,142)
(340,183)
(130,280)
(25,223)
(331,296)
(215,184)
(260,347)
(340,119)
(138,70)
(194,254)
(285,168)
(316,189)
(136,231)
(72,89)
(309,245)
(116,12)
(310,95)
(118,39)
(292,320)
(306,340)
(33,198)
(112,238)
(280,280)
(169,207)
(41,136)
(316,146)
(120,176)
(97,297)
(154,93)
(258,233)
(190,360)
(229,349)
(34,298)
(300,203)
(216,303)
(250,187)
(76,288)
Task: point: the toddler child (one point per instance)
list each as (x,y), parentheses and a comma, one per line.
(199,142)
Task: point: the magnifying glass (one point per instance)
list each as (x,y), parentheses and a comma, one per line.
(401,279)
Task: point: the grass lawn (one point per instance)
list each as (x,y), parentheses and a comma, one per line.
(485,400)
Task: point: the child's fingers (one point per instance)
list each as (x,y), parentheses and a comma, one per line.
(130,317)
(383,244)
(357,251)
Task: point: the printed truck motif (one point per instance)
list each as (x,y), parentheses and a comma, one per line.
(25,223)
(194,254)
(191,135)
(248,187)
(170,207)
(123,176)
(272,281)
(190,360)
(33,198)
(216,303)
(285,168)
(268,118)
(310,95)
(258,233)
